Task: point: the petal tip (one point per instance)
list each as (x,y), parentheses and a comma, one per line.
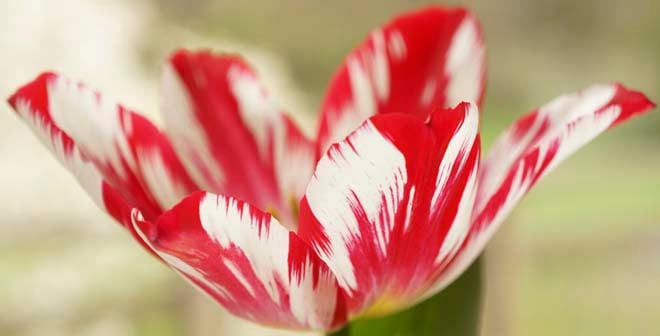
(439,8)
(31,88)
(183,55)
(11,100)
(646,103)
(633,102)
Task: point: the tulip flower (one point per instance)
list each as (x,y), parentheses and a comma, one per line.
(386,206)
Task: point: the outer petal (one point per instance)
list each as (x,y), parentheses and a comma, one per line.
(415,63)
(389,205)
(31,103)
(532,147)
(247,261)
(131,153)
(229,134)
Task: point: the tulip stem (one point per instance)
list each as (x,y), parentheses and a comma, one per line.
(455,311)
(341,332)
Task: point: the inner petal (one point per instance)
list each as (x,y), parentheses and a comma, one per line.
(230,136)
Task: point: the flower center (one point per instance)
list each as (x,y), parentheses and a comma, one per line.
(288,217)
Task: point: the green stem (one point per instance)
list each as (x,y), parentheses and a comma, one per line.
(455,311)
(345,331)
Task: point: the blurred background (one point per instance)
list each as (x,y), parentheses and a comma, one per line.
(580,256)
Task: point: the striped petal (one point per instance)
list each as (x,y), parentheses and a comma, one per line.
(31,104)
(231,137)
(535,145)
(131,154)
(247,261)
(413,64)
(389,205)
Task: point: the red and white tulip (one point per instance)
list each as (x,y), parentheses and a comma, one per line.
(385,207)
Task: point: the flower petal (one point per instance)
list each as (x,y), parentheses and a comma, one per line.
(394,185)
(130,152)
(247,261)
(31,103)
(415,63)
(532,147)
(231,137)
